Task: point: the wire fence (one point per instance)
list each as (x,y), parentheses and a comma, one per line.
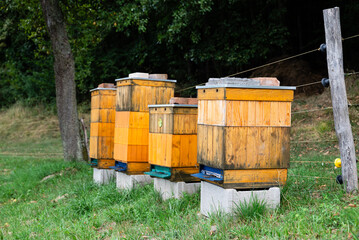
(276,62)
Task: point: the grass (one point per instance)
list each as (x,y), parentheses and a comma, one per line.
(69,206)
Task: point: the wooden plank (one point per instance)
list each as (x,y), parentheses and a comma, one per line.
(149,83)
(211,94)
(212,112)
(132,119)
(160,149)
(218,146)
(120,152)
(186,110)
(105,147)
(256,178)
(132,136)
(176,150)
(137,153)
(259,121)
(342,125)
(124,98)
(93,147)
(161,123)
(185,124)
(105,163)
(252,153)
(256,147)
(251,113)
(259,94)
(95,115)
(184,151)
(107,101)
(134,168)
(95,102)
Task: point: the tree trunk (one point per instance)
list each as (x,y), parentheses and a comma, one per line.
(64,67)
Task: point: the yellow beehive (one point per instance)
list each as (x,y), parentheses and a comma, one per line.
(243,134)
(133,96)
(173,141)
(102,126)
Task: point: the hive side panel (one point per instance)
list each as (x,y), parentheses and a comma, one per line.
(258,114)
(160,149)
(259,94)
(256,147)
(212,112)
(210,145)
(256,178)
(161,123)
(185,124)
(123,98)
(93,147)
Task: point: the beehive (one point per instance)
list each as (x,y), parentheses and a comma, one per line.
(102,125)
(133,96)
(173,142)
(243,135)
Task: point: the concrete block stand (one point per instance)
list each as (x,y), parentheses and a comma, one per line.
(215,198)
(103,176)
(124,181)
(170,189)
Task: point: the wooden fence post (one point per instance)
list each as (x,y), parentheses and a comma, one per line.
(343,129)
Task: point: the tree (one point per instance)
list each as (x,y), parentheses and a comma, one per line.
(64,68)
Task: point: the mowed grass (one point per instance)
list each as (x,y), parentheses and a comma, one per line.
(67,205)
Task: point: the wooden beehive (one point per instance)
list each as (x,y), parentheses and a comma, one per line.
(132,120)
(243,135)
(173,142)
(102,126)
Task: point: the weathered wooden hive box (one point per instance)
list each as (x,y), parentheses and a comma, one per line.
(173,142)
(133,96)
(243,134)
(102,126)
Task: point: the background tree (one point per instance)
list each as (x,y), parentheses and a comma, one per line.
(191,40)
(64,69)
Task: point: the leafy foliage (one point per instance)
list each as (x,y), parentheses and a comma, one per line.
(191,40)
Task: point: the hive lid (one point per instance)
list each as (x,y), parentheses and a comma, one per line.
(104,86)
(173,105)
(233,81)
(151,79)
(241,86)
(95,89)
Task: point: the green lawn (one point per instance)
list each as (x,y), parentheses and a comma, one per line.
(70,206)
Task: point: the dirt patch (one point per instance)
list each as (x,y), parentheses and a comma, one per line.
(293,73)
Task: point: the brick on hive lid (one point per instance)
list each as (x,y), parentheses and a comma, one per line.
(106,85)
(138,75)
(179,100)
(268,81)
(159,76)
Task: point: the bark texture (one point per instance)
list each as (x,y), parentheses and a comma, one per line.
(64,67)
(343,128)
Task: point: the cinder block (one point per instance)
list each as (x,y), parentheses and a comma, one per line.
(215,198)
(170,189)
(138,75)
(124,181)
(180,100)
(103,176)
(106,85)
(268,81)
(158,76)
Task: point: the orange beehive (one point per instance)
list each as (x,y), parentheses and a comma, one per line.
(243,135)
(102,125)
(133,96)
(173,142)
